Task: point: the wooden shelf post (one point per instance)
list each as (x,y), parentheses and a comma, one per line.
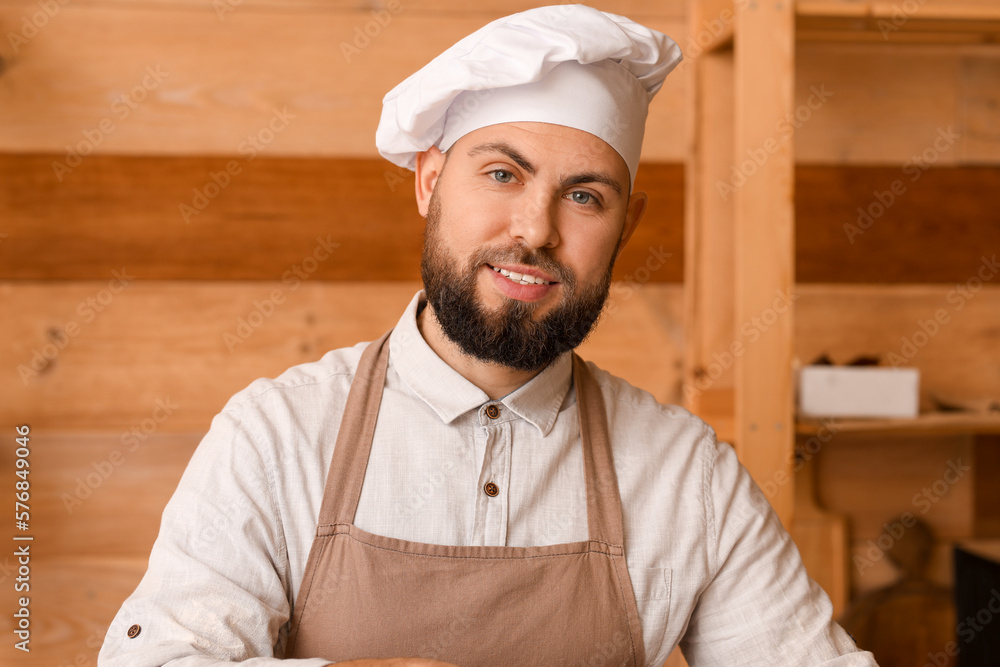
(739,280)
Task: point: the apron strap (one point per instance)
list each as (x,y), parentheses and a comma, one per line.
(604,505)
(354,439)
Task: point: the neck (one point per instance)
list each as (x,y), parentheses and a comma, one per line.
(495,380)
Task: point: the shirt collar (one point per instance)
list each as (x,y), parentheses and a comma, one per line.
(450,395)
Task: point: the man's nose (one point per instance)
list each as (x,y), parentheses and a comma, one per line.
(534,223)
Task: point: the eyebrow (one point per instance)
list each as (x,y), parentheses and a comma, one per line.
(513,154)
(506,149)
(593,177)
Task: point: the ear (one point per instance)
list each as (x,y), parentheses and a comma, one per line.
(633,214)
(428,169)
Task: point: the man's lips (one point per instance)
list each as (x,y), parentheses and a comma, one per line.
(520,290)
(523,275)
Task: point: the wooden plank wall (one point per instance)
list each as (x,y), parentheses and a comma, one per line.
(266,222)
(314,61)
(130,90)
(864,103)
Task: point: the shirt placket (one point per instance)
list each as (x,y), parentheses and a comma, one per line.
(492,498)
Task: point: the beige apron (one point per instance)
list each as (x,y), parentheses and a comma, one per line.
(370,596)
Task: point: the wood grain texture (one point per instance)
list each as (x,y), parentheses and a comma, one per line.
(958,9)
(117,211)
(321,66)
(979,93)
(764,226)
(939,22)
(883,105)
(100,495)
(874,480)
(887,103)
(166,340)
(184,342)
(709,281)
(665,8)
(73,603)
(822,536)
(928,423)
(125,211)
(894,224)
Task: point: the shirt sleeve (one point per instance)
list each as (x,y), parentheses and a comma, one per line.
(760,607)
(216,589)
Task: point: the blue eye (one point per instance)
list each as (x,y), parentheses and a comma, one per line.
(502,176)
(581,197)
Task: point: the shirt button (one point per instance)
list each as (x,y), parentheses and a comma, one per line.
(134,631)
(491,489)
(492,412)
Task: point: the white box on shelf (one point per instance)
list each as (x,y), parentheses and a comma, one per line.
(858,391)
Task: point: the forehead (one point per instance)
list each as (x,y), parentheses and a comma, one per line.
(546,145)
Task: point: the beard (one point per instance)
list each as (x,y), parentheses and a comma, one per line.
(507,336)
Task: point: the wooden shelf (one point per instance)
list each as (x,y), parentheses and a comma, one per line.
(929,21)
(750,60)
(938,423)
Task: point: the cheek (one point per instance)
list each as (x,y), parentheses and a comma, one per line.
(589,254)
(587,265)
(484,228)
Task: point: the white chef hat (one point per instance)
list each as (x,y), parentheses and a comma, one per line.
(569,65)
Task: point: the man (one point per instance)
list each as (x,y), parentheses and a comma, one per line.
(465,489)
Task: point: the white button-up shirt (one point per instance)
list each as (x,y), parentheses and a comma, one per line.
(710,563)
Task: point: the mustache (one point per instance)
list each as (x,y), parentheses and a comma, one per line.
(518,254)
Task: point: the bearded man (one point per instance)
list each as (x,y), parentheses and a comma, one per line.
(466,490)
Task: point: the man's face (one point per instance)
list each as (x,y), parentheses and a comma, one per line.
(522,231)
